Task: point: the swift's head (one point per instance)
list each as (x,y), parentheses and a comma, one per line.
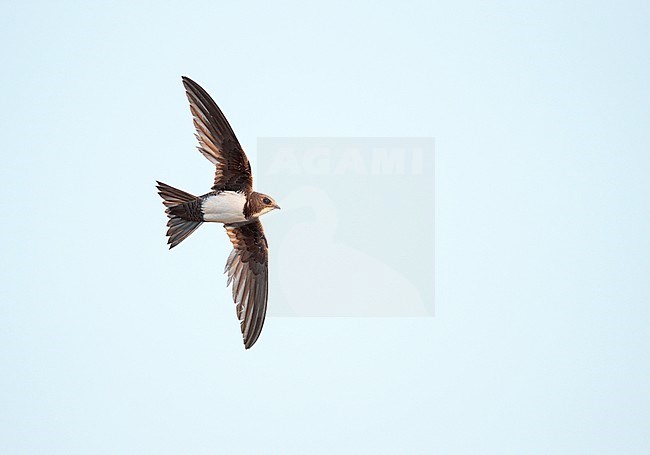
(258,204)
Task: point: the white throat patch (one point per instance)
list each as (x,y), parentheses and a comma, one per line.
(265,210)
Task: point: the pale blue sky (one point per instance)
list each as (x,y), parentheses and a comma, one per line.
(109,343)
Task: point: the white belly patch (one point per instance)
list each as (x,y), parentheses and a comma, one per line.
(226,207)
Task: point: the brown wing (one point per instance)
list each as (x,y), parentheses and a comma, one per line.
(248,271)
(217,141)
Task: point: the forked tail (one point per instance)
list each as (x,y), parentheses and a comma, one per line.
(183,210)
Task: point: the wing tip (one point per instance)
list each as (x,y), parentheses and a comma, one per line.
(250,343)
(189,85)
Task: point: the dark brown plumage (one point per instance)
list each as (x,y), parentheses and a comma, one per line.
(247,269)
(254,204)
(183,213)
(217,141)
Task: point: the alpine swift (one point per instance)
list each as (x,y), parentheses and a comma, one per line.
(231,202)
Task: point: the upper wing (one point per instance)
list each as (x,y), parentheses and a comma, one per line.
(248,270)
(217,141)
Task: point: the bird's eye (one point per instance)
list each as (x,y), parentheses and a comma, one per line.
(266,200)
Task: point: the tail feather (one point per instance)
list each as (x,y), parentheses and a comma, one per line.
(180,227)
(173,196)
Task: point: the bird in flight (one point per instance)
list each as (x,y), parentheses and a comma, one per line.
(231,202)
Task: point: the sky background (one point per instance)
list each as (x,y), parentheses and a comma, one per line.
(111,344)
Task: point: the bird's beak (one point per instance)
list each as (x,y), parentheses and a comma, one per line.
(276,206)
